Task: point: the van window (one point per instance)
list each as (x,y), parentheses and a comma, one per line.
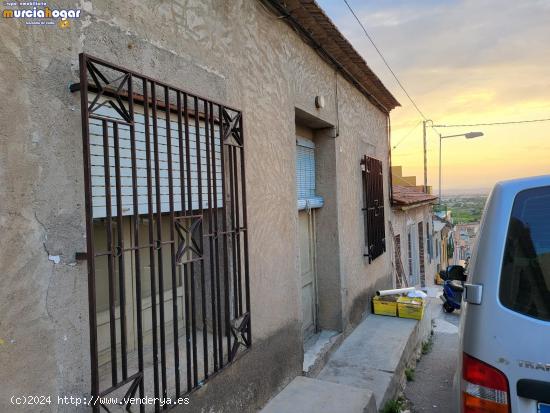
(525,278)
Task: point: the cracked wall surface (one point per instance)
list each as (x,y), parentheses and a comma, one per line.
(233,52)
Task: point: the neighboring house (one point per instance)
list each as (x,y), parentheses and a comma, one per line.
(443,233)
(465,235)
(412,229)
(211,191)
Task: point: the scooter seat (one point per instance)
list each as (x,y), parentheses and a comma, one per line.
(456,286)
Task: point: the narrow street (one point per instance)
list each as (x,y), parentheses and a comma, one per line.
(431,390)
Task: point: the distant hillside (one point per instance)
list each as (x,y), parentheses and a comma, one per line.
(454,192)
(465,209)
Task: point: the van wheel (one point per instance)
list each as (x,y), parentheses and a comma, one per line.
(447,307)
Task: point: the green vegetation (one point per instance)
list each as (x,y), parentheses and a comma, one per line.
(409,373)
(465,209)
(427,345)
(393,406)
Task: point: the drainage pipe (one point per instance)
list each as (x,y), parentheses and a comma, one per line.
(393,292)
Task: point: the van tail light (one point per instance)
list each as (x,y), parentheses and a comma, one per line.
(484,388)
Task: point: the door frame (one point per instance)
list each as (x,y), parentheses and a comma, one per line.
(313,254)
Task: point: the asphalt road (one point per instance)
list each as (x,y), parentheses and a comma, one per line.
(431,390)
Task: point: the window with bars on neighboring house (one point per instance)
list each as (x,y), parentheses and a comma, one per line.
(373,198)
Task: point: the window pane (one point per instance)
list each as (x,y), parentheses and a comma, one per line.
(525,280)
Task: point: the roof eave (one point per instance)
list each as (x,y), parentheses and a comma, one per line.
(408,206)
(381,97)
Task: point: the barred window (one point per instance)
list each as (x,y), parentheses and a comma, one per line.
(166,232)
(373,198)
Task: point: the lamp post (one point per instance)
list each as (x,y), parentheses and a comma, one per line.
(468,135)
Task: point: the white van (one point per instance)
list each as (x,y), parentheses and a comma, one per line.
(504,361)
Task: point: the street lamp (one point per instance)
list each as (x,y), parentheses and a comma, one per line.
(468,135)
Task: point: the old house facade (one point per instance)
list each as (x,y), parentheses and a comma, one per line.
(443,234)
(412,231)
(189,191)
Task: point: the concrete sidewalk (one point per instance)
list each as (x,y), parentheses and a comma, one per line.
(364,373)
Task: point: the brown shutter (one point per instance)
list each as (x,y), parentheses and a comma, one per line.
(373,194)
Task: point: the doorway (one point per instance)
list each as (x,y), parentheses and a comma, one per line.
(306,230)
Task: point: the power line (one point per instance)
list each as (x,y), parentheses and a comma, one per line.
(407,135)
(385,62)
(494,123)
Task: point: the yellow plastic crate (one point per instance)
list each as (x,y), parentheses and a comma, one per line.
(385,306)
(410,307)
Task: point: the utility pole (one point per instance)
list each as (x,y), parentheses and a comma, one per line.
(425,159)
(440,139)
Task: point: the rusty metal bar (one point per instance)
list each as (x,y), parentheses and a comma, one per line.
(245,235)
(183,268)
(210,154)
(215,270)
(151,243)
(225,252)
(237,226)
(199,208)
(89,230)
(232,214)
(120,255)
(137,256)
(172,236)
(144,77)
(110,257)
(160,264)
(191,266)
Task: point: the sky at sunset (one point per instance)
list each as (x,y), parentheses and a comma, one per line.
(463,62)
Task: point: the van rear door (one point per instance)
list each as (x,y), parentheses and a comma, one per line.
(524,292)
(507,336)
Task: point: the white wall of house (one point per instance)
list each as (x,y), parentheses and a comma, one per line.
(406,222)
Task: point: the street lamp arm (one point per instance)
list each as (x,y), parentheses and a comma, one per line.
(451,136)
(467,135)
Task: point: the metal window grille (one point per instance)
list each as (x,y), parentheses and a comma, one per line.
(166,225)
(373,194)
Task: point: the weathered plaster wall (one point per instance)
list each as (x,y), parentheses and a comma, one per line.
(400,221)
(362,132)
(234,52)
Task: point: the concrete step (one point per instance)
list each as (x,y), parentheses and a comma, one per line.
(307,395)
(363,373)
(374,356)
(318,349)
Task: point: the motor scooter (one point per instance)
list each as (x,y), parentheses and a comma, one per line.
(452,295)
(453,287)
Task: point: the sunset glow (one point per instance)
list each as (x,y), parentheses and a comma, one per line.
(463,62)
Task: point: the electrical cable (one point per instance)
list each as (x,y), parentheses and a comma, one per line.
(407,135)
(494,123)
(385,62)
(412,100)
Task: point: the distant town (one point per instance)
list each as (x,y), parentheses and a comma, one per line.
(465,209)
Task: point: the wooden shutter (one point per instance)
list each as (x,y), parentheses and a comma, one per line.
(373,194)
